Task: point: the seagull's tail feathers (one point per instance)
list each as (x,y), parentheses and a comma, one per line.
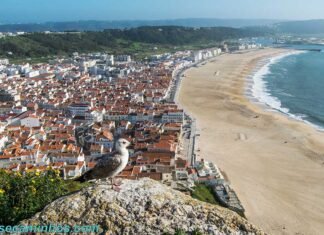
(83,178)
(80,179)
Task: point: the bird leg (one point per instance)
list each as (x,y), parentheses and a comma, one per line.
(118,182)
(115,186)
(112,182)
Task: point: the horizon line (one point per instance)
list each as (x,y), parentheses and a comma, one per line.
(153,20)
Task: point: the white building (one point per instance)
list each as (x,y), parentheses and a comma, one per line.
(110,60)
(78,109)
(173,116)
(32,74)
(217,51)
(205,168)
(12,71)
(3,141)
(242,47)
(19,109)
(88,63)
(207,54)
(30,122)
(26,68)
(197,56)
(140,117)
(115,116)
(4,61)
(123,58)
(124,72)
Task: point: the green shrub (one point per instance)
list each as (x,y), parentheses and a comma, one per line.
(22,195)
(204,193)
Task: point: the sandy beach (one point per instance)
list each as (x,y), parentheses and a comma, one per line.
(274,163)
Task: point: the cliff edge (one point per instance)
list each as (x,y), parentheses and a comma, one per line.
(144,206)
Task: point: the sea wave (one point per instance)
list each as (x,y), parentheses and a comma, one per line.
(259,86)
(258,92)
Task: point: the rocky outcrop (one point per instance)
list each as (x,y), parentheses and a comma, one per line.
(141,207)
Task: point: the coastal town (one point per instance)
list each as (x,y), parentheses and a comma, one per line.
(161,117)
(41,105)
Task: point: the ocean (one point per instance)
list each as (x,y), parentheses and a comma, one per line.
(293,84)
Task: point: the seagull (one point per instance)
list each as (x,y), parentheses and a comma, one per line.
(109,165)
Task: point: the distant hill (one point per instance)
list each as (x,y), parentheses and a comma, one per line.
(101,25)
(301,27)
(292,27)
(131,41)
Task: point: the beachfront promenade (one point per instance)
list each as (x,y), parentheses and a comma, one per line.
(172,96)
(227,196)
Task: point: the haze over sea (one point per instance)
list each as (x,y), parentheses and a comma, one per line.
(294,84)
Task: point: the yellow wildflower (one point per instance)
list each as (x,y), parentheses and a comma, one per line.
(33,189)
(57,173)
(37,173)
(2,191)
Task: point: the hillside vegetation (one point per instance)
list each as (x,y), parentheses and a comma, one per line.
(131,41)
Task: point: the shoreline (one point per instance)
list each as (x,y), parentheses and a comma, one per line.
(265,100)
(271,159)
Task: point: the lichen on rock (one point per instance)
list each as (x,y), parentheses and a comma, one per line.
(143,206)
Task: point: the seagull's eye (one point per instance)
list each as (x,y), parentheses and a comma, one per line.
(124,142)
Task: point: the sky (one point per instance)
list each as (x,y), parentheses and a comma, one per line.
(37,11)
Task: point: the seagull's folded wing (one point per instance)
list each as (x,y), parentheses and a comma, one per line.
(109,163)
(105,167)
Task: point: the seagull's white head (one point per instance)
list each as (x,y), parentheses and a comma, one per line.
(122,144)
